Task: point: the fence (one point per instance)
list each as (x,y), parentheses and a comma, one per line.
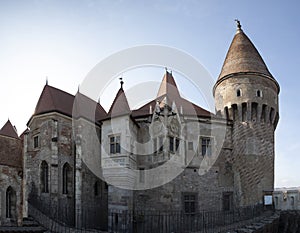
(172,222)
(145,221)
(62,213)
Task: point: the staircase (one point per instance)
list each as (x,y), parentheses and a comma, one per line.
(29,225)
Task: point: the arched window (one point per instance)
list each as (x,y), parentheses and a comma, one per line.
(10,202)
(238,93)
(67,179)
(44,177)
(259,93)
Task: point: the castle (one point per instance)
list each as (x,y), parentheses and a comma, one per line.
(221,161)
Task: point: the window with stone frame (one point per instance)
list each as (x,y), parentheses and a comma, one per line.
(10,202)
(206,146)
(189,202)
(67,179)
(115,144)
(36,143)
(173,144)
(44,176)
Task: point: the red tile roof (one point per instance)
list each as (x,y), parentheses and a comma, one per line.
(8,130)
(56,100)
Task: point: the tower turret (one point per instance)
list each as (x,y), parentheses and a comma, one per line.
(246,93)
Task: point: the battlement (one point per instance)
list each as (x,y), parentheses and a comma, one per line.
(251,112)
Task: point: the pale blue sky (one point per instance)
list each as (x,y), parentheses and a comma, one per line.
(64,40)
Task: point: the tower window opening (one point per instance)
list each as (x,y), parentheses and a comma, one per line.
(238,93)
(244,112)
(263,113)
(259,93)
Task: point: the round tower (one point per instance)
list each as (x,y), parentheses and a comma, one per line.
(246,94)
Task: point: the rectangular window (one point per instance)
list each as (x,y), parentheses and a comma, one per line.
(227,201)
(35,141)
(177,142)
(206,146)
(142,175)
(115,146)
(190,146)
(155,146)
(161,144)
(189,203)
(171,144)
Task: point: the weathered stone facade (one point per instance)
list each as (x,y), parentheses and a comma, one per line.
(81,164)
(11,172)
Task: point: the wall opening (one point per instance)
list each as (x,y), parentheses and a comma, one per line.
(10,203)
(44,176)
(244,111)
(67,179)
(263,113)
(271,117)
(234,111)
(254,111)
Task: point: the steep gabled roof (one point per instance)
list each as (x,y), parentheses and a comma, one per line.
(169,93)
(168,86)
(120,105)
(242,56)
(56,100)
(87,108)
(8,130)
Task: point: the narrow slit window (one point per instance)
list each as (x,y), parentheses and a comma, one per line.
(238,93)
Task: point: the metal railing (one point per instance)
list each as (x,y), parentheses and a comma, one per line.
(173,222)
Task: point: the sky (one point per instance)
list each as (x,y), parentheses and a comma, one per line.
(63,40)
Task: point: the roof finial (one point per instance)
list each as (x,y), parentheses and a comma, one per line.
(121,81)
(78,88)
(46,80)
(238,24)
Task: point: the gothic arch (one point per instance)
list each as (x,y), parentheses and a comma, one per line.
(11,202)
(44,177)
(67,179)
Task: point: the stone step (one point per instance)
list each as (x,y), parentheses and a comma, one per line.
(29,225)
(36,229)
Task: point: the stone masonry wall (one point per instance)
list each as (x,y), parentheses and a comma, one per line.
(11,172)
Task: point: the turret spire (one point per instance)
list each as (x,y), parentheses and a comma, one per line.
(121,82)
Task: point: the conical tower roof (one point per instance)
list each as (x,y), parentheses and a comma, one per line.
(120,104)
(8,130)
(243,57)
(168,86)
